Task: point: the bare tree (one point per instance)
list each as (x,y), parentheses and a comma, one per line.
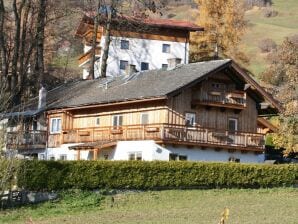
(107,12)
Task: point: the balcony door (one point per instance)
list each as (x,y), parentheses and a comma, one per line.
(117,121)
(232,128)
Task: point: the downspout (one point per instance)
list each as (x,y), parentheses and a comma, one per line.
(185,48)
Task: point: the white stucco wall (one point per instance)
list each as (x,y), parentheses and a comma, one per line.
(64,150)
(209,154)
(149,149)
(140,50)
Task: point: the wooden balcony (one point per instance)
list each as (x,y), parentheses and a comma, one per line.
(234,99)
(85,58)
(26,140)
(163,133)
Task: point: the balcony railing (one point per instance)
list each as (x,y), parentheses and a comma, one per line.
(86,57)
(26,140)
(234,99)
(161,132)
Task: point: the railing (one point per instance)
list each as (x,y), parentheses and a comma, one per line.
(26,139)
(162,132)
(87,56)
(237,98)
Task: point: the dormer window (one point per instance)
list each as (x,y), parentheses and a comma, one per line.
(124,44)
(166,48)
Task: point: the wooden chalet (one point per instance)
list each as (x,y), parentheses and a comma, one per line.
(195,108)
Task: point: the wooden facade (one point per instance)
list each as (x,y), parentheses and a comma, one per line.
(165,121)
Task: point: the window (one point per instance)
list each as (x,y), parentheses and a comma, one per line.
(123,64)
(55,125)
(233,159)
(97,121)
(144,118)
(124,44)
(164,66)
(42,156)
(166,48)
(34,125)
(63,157)
(233,124)
(135,156)
(117,120)
(106,157)
(177,157)
(190,119)
(51,157)
(216,85)
(144,66)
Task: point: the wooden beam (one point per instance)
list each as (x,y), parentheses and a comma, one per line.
(95,154)
(79,155)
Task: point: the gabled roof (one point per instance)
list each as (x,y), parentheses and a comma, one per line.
(142,85)
(149,85)
(127,21)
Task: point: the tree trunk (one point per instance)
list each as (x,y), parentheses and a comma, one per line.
(4,64)
(105,55)
(39,63)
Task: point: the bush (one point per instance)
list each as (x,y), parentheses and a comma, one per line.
(269,12)
(267,45)
(57,175)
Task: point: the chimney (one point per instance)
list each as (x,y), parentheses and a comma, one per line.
(173,62)
(42,98)
(130,69)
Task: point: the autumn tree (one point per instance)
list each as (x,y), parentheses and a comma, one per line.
(282,76)
(223,23)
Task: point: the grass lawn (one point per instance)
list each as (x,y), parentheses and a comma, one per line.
(173,206)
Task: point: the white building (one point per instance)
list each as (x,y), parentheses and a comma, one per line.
(151,44)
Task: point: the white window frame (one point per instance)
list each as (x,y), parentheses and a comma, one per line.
(192,119)
(236,124)
(58,128)
(118,120)
(141,118)
(136,154)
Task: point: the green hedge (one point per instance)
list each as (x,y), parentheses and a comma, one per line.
(54,175)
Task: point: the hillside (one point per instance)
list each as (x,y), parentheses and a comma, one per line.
(276,28)
(259,27)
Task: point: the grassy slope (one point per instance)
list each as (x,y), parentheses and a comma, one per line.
(276,28)
(259,27)
(184,206)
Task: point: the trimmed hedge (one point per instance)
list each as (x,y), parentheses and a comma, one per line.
(57,175)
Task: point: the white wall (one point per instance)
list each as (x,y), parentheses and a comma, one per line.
(149,149)
(152,151)
(208,154)
(141,50)
(64,150)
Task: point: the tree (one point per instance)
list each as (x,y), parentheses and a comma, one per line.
(283,78)
(223,23)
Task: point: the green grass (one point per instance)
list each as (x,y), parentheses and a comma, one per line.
(276,28)
(173,206)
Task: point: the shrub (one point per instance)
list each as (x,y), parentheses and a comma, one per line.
(267,45)
(269,12)
(57,175)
